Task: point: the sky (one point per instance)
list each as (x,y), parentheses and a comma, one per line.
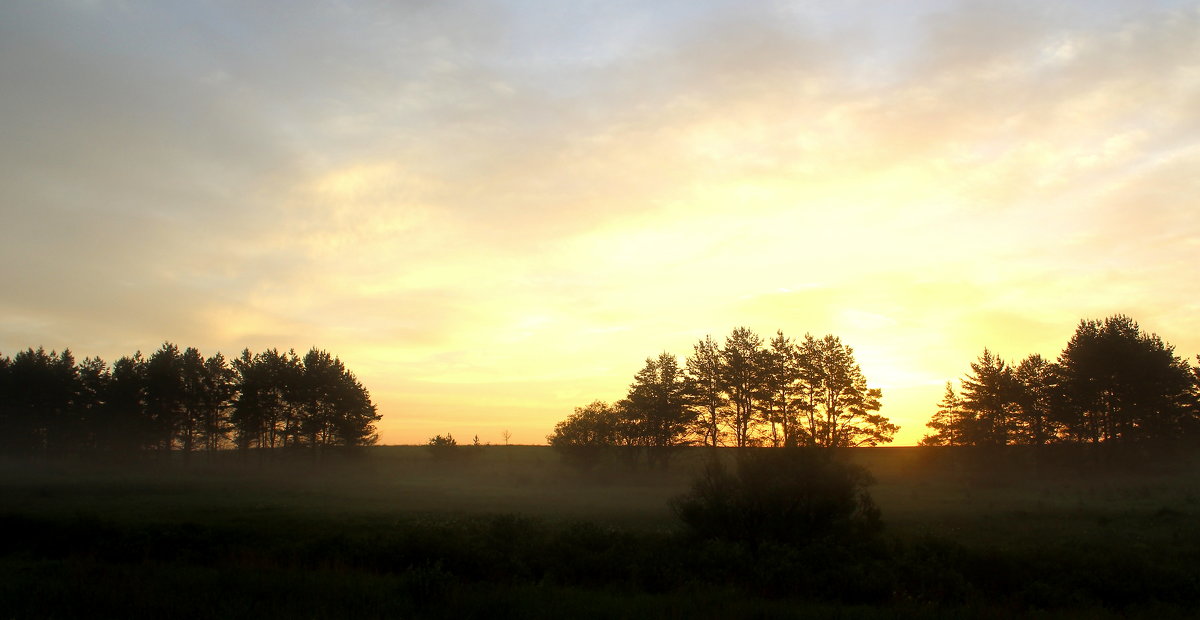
(493,212)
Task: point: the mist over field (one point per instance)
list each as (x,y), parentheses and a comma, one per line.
(402,530)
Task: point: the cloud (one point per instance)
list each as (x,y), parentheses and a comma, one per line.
(467,193)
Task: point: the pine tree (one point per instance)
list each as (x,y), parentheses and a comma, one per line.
(843,415)
(658,403)
(948,422)
(743,382)
(1122,384)
(706,395)
(988,392)
(1036,397)
(781,378)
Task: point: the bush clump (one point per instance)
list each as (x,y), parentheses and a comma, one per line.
(446,449)
(793,496)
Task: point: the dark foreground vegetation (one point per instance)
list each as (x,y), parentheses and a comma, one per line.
(511,533)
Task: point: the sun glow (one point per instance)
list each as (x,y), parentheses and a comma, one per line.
(494,228)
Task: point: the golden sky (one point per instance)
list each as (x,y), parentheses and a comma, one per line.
(493,212)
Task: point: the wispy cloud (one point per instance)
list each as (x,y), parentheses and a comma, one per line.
(483,195)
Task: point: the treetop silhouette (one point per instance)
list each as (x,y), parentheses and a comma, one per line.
(1111,383)
(180,400)
(746,392)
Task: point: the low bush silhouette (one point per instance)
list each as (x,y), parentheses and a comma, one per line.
(794,496)
(443,447)
(446,448)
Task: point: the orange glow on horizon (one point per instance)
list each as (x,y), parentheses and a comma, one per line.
(494,220)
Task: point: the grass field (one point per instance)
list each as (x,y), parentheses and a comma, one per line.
(395,532)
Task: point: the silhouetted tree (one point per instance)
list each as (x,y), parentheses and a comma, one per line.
(263,414)
(165,394)
(1122,384)
(989,395)
(216,402)
(657,406)
(444,447)
(38,405)
(1195,399)
(288,372)
(596,424)
(781,375)
(353,414)
(194,387)
(811,393)
(286,401)
(91,403)
(179,400)
(1111,383)
(742,359)
(948,422)
(1036,384)
(586,436)
(126,428)
(706,394)
(318,390)
(999,405)
(844,413)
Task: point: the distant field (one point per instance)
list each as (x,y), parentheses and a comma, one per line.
(394,531)
(385,481)
(971,497)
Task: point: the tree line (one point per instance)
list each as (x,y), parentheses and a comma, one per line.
(180,400)
(1111,383)
(744,392)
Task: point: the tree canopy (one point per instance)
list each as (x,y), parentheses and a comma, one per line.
(180,400)
(1111,383)
(745,392)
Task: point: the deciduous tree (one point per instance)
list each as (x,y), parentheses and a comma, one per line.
(588,434)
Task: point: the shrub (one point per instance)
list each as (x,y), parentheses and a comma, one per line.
(443,447)
(587,436)
(782,495)
(446,449)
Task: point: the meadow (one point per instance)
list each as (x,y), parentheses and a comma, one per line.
(513,531)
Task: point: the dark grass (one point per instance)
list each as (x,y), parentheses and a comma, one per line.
(84,589)
(61,567)
(512,534)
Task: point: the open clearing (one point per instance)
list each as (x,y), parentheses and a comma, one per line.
(972,498)
(512,531)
